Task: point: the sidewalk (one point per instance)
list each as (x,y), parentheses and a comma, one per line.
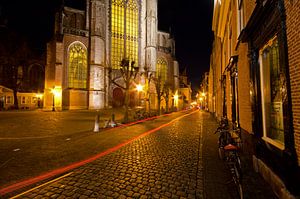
(217,179)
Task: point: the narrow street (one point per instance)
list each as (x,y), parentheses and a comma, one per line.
(177,160)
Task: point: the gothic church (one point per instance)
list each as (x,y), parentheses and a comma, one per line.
(88,43)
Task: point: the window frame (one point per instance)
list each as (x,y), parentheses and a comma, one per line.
(122,36)
(81,83)
(262,76)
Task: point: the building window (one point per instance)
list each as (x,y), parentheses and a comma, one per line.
(125,31)
(274,93)
(33,100)
(77,71)
(161,70)
(24,100)
(9,100)
(240,18)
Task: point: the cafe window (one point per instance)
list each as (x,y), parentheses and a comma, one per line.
(273,93)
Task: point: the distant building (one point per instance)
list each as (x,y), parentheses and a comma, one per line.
(26,101)
(185,90)
(203,94)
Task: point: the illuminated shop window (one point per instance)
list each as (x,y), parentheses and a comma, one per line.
(124,40)
(77,71)
(274,93)
(161,70)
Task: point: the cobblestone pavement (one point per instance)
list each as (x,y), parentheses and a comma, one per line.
(177,161)
(164,164)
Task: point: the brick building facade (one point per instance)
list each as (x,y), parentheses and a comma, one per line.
(254,74)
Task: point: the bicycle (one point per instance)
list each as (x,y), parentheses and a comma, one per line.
(233,161)
(229,145)
(224,137)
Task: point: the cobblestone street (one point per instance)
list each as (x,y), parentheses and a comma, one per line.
(177,161)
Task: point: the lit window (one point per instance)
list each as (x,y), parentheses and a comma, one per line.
(161,70)
(124,40)
(274,94)
(9,100)
(34,100)
(77,71)
(23,100)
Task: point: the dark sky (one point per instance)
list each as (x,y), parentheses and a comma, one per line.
(189,20)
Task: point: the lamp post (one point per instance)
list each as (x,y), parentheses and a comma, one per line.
(53,98)
(176,97)
(139,88)
(56,91)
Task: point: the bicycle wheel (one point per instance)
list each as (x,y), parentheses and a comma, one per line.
(240,191)
(221,147)
(221,153)
(237,180)
(239,166)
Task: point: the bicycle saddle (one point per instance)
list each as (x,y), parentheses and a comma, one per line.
(230,147)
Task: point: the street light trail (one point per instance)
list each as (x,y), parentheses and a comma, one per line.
(51,174)
(56,179)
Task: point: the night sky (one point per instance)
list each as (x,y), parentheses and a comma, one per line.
(188,20)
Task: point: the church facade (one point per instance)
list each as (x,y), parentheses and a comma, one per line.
(89,45)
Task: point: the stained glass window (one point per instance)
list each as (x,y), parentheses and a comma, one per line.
(77,71)
(125,29)
(161,70)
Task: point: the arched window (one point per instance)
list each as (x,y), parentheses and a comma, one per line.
(162,70)
(77,71)
(125,31)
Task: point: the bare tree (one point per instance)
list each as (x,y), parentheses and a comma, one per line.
(148,75)
(159,87)
(166,94)
(14,53)
(128,72)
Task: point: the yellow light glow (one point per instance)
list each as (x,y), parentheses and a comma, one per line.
(176,97)
(39,95)
(203,94)
(201,99)
(56,91)
(139,87)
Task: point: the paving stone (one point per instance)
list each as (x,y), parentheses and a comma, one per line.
(164,164)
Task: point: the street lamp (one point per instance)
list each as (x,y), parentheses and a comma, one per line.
(56,91)
(201,102)
(53,98)
(176,99)
(139,88)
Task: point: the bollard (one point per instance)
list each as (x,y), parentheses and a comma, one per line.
(96,128)
(113,122)
(113,117)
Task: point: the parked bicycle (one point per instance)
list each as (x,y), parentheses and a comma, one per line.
(229,146)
